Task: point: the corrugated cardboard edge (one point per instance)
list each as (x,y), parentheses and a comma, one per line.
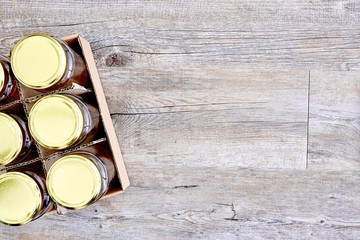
(104,111)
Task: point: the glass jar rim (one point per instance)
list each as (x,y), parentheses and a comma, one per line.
(56,121)
(74,181)
(28,193)
(11,146)
(39,61)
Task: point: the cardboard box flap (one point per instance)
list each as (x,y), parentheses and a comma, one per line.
(105,113)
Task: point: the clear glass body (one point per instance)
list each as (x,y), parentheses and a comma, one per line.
(106,168)
(15,147)
(27,140)
(8,88)
(91,120)
(76,71)
(47,203)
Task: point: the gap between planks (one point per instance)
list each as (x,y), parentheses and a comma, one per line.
(308,124)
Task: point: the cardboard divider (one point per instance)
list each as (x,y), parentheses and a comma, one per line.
(31,95)
(105,137)
(74,149)
(14,108)
(9,104)
(35,164)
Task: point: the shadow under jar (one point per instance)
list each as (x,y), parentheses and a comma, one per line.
(7,81)
(60,121)
(15,140)
(79,179)
(45,63)
(23,197)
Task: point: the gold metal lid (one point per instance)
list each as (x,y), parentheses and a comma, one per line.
(11,140)
(2,76)
(20,198)
(38,61)
(56,121)
(74,181)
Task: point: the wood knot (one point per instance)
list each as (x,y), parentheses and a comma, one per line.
(116,60)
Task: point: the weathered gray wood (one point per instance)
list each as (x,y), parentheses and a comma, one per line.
(334,126)
(241,34)
(214,203)
(225,116)
(172,72)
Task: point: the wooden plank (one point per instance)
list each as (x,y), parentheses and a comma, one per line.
(334,126)
(172,74)
(318,12)
(227,117)
(214,203)
(157,34)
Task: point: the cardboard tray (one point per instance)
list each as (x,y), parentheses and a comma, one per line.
(106,138)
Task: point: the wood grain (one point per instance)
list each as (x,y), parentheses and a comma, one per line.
(206,96)
(334,126)
(244,118)
(215,203)
(266,35)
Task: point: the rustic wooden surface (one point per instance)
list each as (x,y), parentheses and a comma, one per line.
(237,119)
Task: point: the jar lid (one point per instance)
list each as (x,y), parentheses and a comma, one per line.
(11,140)
(20,200)
(74,181)
(38,61)
(56,121)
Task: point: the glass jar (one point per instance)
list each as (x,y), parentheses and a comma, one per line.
(60,121)
(15,140)
(7,82)
(24,197)
(79,179)
(44,63)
